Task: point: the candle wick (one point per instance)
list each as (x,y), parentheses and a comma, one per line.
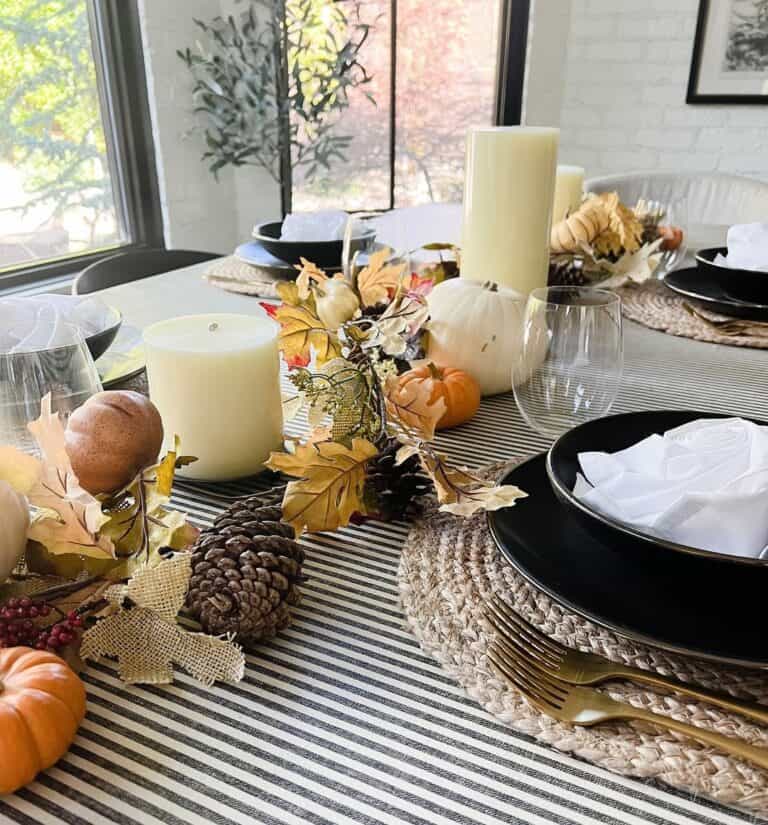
(212,327)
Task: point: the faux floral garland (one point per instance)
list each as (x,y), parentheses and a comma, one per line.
(346,343)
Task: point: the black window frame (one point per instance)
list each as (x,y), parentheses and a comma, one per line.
(123,99)
(514,16)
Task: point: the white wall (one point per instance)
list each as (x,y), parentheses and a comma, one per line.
(623,93)
(198,212)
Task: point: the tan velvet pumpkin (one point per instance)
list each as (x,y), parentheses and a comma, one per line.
(113,436)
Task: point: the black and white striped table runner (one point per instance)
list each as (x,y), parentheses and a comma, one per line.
(343,719)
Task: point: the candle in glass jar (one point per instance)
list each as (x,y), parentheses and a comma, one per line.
(216,381)
(508,191)
(569,190)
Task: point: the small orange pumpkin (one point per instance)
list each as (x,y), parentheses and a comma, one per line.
(457,388)
(42,703)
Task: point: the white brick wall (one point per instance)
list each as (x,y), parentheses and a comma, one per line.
(198,212)
(626,74)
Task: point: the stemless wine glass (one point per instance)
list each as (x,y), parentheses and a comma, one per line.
(571,357)
(27,373)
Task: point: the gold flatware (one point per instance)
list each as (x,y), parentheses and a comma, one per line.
(586,706)
(522,639)
(729,326)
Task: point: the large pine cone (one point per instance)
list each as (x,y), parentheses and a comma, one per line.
(245,572)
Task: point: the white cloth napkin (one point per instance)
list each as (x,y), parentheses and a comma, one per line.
(40,322)
(323,225)
(747,247)
(704,485)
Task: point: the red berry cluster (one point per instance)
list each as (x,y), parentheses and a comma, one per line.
(18,626)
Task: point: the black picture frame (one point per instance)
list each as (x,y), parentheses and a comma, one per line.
(693,95)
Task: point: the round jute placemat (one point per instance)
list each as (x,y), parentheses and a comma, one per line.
(233,275)
(450,567)
(655,306)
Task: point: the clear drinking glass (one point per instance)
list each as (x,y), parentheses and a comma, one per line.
(571,357)
(66,370)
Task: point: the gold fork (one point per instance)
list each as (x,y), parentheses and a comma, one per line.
(578,668)
(586,706)
(730,326)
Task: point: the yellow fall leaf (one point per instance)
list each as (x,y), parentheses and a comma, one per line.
(376,280)
(19,469)
(411,407)
(330,486)
(300,329)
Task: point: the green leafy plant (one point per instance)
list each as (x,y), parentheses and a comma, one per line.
(270,85)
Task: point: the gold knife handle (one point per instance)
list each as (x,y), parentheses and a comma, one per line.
(759,713)
(733,747)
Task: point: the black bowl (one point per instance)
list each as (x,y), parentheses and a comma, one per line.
(744,285)
(99,342)
(611,434)
(326,254)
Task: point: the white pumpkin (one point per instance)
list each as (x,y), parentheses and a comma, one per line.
(476,327)
(14,523)
(336,302)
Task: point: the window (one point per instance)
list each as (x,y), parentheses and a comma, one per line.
(76,177)
(436,68)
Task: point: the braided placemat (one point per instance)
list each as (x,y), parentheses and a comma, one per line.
(234,275)
(655,306)
(450,567)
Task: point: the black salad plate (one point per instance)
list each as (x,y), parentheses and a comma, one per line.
(709,610)
(611,434)
(736,293)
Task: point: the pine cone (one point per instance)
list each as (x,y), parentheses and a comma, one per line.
(245,572)
(565,272)
(395,489)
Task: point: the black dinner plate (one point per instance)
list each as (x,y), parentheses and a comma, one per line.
(611,434)
(708,610)
(735,293)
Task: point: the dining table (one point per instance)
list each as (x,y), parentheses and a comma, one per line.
(342,718)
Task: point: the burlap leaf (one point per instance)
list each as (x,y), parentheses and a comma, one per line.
(147,647)
(161,589)
(145,638)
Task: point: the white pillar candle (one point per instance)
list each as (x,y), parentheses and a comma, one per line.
(569,190)
(508,191)
(216,381)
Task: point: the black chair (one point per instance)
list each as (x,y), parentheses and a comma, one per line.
(131,266)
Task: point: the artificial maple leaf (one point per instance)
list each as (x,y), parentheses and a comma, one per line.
(330,486)
(309,274)
(462,493)
(376,282)
(624,232)
(410,406)
(69,518)
(300,332)
(631,268)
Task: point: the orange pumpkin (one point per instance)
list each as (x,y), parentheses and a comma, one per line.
(457,388)
(42,703)
(111,437)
